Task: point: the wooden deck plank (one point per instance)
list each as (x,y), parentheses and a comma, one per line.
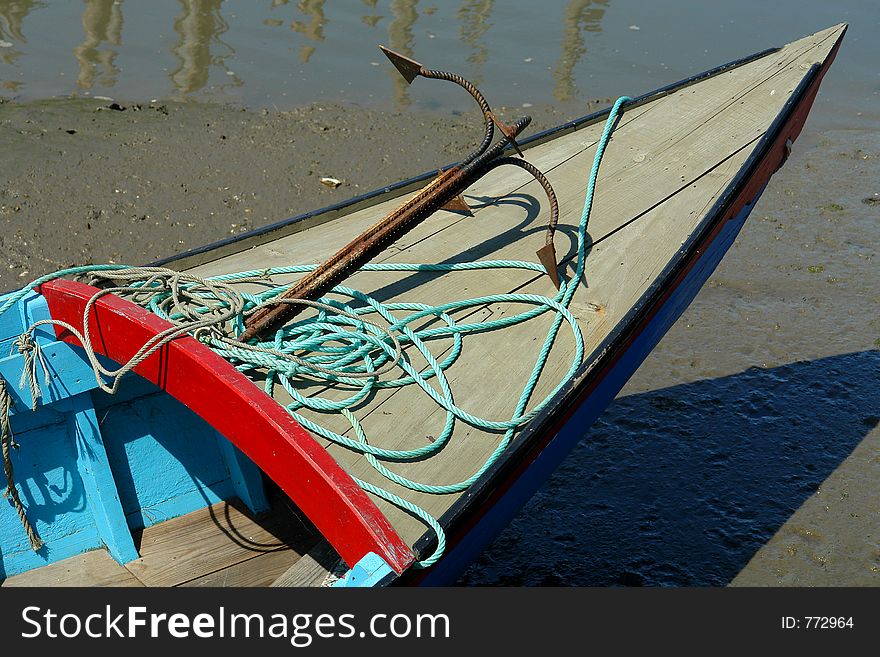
(216,546)
(260,570)
(211,539)
(494,390)
(690,142)
(93,568)
(313,569)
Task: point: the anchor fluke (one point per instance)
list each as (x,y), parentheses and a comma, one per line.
(547,256)
(410,69)
(458,204)
(445,191)
(508,131)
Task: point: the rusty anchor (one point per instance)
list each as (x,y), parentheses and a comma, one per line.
(445,191)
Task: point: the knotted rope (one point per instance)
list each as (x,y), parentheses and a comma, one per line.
(33,356)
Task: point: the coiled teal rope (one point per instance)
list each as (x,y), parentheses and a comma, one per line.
(343,347)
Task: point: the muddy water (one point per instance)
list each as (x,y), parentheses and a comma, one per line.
(747,444)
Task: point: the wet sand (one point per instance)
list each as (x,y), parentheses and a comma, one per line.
(746,448)
(89,181)
(754,422)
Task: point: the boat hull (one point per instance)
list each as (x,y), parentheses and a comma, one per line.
(500,511)
(474,524)
(272,443)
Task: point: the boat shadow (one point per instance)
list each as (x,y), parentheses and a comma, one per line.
(681,486)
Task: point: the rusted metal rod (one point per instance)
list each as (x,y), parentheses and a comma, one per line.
(443,190)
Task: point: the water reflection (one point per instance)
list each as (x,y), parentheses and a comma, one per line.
(400,38)
(371,20)
(12,14)
(475,18)
(204,40)
(580,16)
(102,24)
(199,26)
(313,29)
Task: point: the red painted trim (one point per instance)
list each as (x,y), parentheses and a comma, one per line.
(231,403)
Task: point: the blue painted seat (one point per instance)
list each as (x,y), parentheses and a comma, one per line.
(90,468)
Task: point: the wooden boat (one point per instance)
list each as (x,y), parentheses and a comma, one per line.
(191,474)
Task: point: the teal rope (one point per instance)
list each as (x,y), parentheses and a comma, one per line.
(348,349)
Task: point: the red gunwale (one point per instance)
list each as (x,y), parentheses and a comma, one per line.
(248,417)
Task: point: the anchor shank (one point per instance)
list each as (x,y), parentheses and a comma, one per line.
(443,189)
(362,249)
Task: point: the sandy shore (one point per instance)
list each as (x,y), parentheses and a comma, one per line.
(88,181)
(737,392)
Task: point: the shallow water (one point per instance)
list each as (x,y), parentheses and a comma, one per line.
(279,53)
(756,396)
